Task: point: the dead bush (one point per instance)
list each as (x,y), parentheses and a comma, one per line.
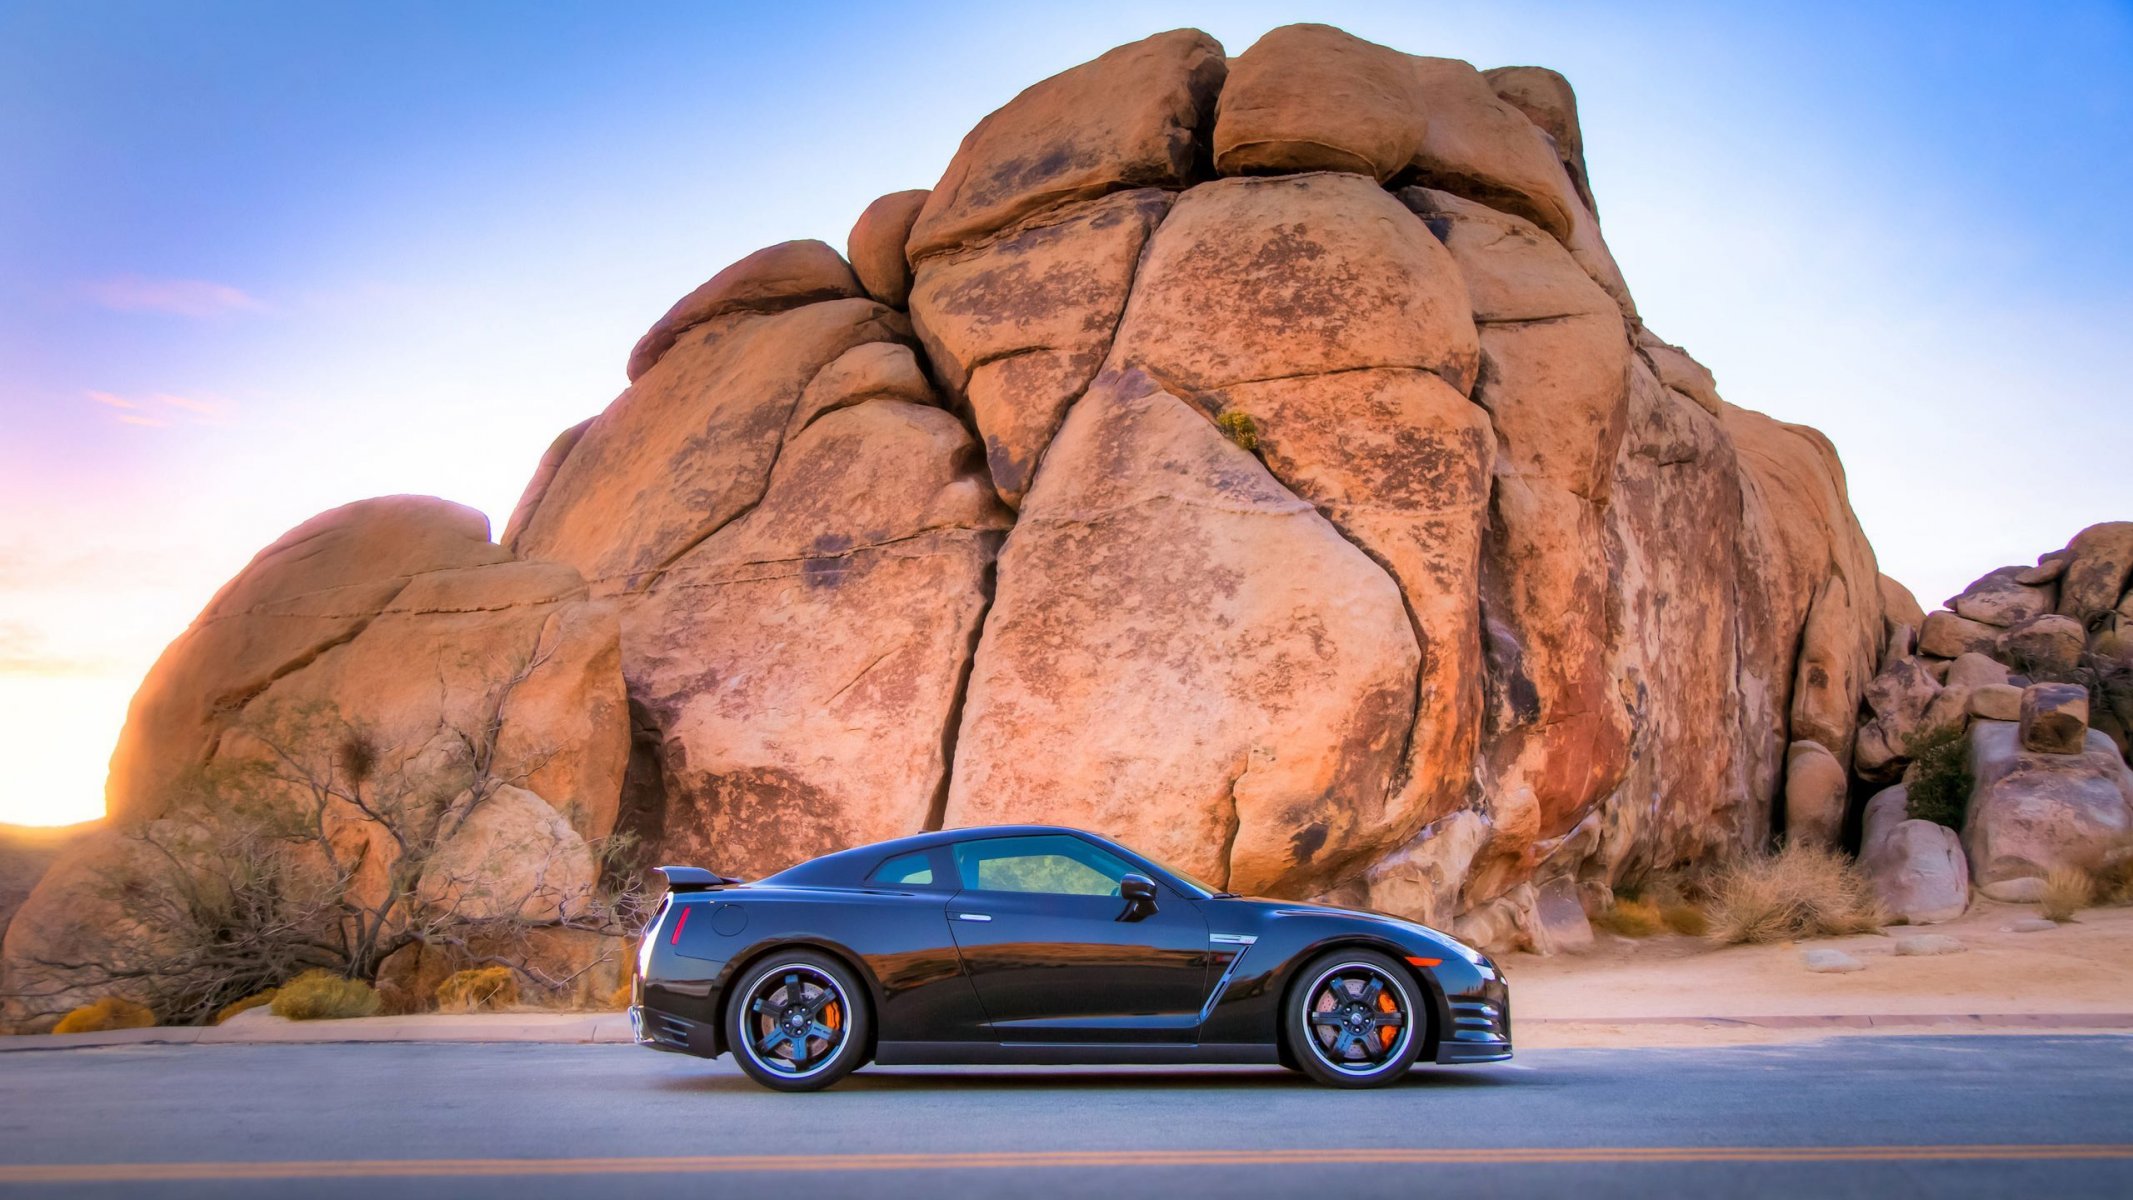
(255,1000)
(111,1012)
(2067,890)
(1631,918)
(1801,891)
(483,988)
(321,995)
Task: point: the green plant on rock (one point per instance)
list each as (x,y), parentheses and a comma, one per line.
(321,995)
(1939,786)
(1238,426)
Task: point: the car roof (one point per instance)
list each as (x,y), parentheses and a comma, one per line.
(849,867)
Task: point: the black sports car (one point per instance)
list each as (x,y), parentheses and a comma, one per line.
(1036,944)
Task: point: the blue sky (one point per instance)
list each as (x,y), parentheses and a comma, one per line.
(260,259)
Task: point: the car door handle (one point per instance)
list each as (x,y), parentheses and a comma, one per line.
(973,917)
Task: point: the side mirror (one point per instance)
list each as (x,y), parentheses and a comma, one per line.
(1139,892)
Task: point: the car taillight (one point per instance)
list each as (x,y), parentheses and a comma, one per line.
(680,923)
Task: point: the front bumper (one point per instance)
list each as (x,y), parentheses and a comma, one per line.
(1481,1026)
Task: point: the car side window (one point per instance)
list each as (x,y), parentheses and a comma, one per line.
(905,870)
(1049,863)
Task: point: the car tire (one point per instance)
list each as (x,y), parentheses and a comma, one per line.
(1355,1019)
(798,1021)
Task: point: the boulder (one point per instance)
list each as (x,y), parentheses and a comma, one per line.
(1918,872)
(1678,371)
(2099,562)
(1126,119)
(2049,646)
(876,245)
(2049,569)
(1424,877)
(1946,635)
(1830,962)
(1902,607)
(2055,718)
(1996,702)
(1480,148)
(690,445)
(1017,327)
(801,665)
(1548,101)
(511,857)
(2033,813)
(529,501)
(1974,670)
(1816,790)
(1314,98)
(1149,537)
(773,279)
(1559,922)
(26,853)
(1900,695)
(1997,599)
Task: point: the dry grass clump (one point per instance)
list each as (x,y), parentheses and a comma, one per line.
(321,995)
(1685,919)
(1632,918)
(482,988)
(111,1012)
(2067,890)
(255,1000)
(1801,891)
(2114,885)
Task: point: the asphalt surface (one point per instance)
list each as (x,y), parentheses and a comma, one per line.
(1880,1117)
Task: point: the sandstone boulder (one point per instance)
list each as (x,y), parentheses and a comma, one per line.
(1424,877)
(775,278)
(512,857)
(1816,790)
(1148,538)
(1126,119)
(2032,813)
(2054,718)
(1548,101)
(2099,563)
(1946,635)
(1998,599)
(876,245)
(2049,569)
(2049,646)
(26,853)
(1996,702)
(1974,670)
(801,665)
(1899,695)
(529,501)
(1918,871)
(1017,328)
(1314,98)
(1902,607)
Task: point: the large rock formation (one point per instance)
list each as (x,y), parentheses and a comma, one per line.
(1260,460)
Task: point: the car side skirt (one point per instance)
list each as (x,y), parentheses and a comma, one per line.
(1063,1054)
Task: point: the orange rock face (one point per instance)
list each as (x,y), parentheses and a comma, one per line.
(1261,461)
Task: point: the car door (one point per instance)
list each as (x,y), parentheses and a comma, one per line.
(1057,955)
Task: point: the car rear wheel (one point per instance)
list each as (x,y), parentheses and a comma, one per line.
(1355,1020)
(798,1021)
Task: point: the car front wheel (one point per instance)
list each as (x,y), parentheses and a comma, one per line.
(1355,1020)
(798,1021)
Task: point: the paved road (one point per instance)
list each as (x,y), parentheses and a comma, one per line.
(1880,1117)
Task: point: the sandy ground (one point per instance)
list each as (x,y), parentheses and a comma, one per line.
(2084,967)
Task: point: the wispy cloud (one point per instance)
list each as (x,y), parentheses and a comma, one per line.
(198,298)
(26,651)
(158,410)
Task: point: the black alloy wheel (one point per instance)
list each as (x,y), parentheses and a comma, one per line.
(1355,1019)
(798,1022)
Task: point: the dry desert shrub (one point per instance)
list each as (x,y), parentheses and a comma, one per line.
(1685,919)
(111,1012)
(255,1000)
(321,995)
(483,988)
(1630,917)
(1801,891)
(2067,890)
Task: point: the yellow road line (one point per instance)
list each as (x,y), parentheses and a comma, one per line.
(1025,1159)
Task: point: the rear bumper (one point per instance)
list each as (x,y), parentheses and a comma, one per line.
(662,1031)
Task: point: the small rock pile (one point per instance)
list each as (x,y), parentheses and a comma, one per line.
(2032,667)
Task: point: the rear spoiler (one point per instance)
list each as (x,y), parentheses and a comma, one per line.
(693,879)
